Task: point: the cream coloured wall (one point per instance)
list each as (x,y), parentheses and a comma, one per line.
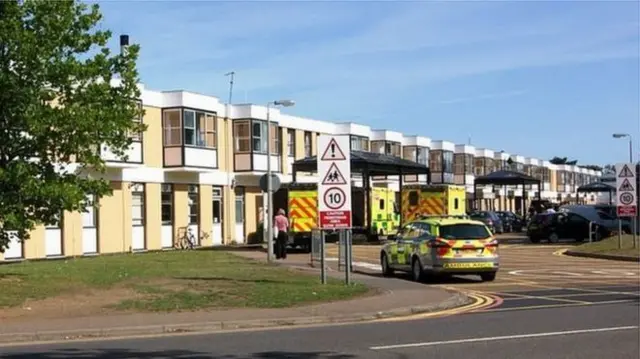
(314,144)
(554,181)
(299,151)
(153,216)
(34,246)
(180,208)
(152,137)
(229,217)
(284,150)
(72,234)
(206,214)
(114,220)
(252,214)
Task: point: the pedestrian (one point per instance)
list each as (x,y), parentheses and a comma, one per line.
(282,237)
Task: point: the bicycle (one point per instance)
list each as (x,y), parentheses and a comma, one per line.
(186,239)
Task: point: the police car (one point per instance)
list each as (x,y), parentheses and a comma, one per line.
(442,245)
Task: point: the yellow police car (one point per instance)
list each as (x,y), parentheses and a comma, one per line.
(442,245)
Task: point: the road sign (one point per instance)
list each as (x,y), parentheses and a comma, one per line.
(334,182)
(626,202)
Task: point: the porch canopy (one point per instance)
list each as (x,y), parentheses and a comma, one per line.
(597,187)
(506,178)
(369,164)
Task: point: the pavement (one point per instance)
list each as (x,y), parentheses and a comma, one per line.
(607,331)
(393,298)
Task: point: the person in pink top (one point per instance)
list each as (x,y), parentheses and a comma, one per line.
(281,225)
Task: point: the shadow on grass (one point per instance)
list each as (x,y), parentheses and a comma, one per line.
(226,279)
(129,353)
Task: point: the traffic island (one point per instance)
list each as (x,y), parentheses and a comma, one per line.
(608,249)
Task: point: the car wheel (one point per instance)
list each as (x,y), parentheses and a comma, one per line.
(488,277)
(387,271)
(553,237)
(416,271)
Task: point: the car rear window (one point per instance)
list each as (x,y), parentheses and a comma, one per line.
(464,231)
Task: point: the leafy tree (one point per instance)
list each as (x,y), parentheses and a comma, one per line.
(58,106)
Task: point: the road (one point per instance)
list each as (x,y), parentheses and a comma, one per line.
(587,332)
(547,306)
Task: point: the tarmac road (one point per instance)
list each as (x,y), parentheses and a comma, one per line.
(585,332)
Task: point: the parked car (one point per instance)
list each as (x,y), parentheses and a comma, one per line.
(599,215)
(511,221)
(490,219)
(564,224)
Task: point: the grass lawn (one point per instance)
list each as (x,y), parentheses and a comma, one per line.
(610,246)
(170,281)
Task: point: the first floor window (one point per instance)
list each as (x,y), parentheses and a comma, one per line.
(242,136)
(194,207)
(167,203)
(172,129)
(291,142)
(137,204)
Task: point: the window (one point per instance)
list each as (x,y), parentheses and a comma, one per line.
(137,204)
(90,214)
(464,231)
(447,161)
(377,147)
(435,162)
(392,149)
(458,163)
(217,205)
(479,166)
(413,198)
(423,155)
(359,143)
(276,139)
(199,129)
(455,203)
(468,164)
(307,144)
(193,204)
(172,128)
(137,135)
(259,136)
(239,208)
(291,142)
(166,201)
(488,165)
(381,204)
(561,178)
(546,174)
(242,136)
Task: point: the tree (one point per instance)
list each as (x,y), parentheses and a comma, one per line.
(58,107)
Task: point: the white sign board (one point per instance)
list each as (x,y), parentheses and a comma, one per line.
(334,181)
(626,199)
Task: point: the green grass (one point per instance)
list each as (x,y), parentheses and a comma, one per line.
(170,281)
(610,246)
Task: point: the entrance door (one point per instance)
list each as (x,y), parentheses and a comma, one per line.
(53,239)
(138,242)
(216,228)
(239,209)
(194,212)
(167,216)
(90,227)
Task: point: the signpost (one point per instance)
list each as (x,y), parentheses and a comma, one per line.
(626,201)
(334,188)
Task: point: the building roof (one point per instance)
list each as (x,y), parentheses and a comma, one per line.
(596,187)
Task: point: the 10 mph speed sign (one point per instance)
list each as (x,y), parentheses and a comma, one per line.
(334,182)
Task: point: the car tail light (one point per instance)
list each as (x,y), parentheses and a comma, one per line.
(441,246)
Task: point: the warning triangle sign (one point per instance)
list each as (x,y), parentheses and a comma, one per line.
(626,172)
(334,176)
(333,152)
(626,186)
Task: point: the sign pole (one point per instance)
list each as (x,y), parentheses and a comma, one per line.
(626,198)
(347,234)
(323,268)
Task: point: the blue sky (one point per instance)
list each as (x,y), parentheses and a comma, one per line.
(532,78)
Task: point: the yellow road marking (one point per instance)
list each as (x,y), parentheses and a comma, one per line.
(480,301)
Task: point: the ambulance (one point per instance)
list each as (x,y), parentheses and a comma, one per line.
(422,200)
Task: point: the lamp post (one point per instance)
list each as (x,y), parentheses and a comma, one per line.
(269,219)
(635,219)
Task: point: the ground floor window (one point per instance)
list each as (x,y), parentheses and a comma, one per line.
(194,204)
(137,204)
(217,205)
(239,206)
(166,201)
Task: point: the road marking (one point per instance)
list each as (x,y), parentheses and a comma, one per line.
(551,306)
(506,337)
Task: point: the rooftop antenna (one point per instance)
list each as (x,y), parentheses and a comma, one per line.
(469,140)
(231,77)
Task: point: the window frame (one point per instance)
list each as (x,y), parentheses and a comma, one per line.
(217,195)
(239,199)
(445,160)
(136,136)
(138,189)
(237,138)
(193,189)
(361,142)
(458,164)
(170,129)
(435,161)
(308,144)
(200,134)
(167,189)
(291,142)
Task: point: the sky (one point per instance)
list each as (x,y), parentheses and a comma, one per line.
(534,78)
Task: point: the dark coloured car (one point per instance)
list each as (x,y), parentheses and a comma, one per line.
(490,219)
(511,221)
(567,225)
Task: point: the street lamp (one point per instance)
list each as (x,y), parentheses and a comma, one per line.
(624,135)
(269,219)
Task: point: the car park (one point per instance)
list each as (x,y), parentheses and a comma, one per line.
(491,219)
(564,225)
(439,246)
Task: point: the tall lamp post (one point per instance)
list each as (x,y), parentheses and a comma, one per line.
(635,219)
(269,219)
